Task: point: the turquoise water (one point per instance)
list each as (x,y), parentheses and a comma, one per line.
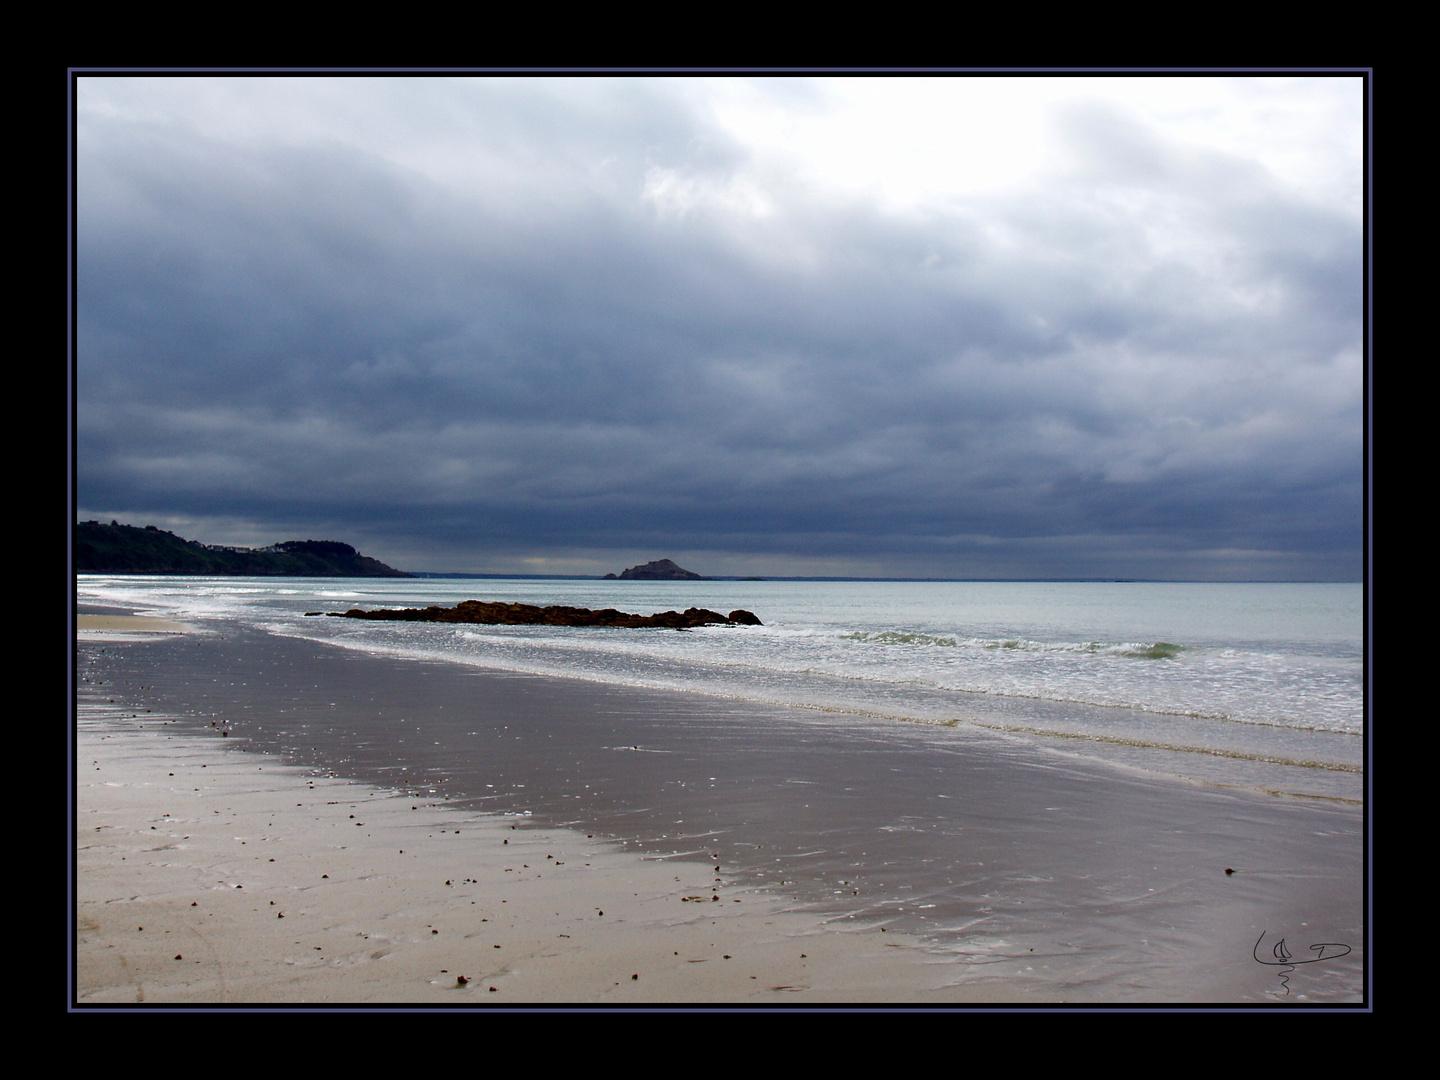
(1249,685)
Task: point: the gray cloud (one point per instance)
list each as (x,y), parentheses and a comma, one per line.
(589,329)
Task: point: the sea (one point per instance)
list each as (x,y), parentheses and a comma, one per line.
(1258,686)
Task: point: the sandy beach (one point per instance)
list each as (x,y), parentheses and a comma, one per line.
(126,627)
(209,875)
(265,820)
(205,878)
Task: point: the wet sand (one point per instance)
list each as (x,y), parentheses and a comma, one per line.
(206,878)
(909,866)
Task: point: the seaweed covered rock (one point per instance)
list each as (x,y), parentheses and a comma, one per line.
(497,613)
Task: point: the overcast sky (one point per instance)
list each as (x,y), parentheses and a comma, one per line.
(955,327)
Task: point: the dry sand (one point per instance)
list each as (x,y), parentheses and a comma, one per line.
(124,627)
(209,874)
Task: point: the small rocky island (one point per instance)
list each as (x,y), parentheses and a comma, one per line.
(659,570)
(501,614)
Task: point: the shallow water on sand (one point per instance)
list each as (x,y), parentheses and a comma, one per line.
(1259,686)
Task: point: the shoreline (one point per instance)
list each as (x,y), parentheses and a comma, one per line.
(999,873)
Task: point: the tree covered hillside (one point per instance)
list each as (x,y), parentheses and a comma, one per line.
(128,549)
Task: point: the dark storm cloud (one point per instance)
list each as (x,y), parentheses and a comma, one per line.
(594,336)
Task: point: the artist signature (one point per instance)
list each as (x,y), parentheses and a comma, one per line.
(1285,959)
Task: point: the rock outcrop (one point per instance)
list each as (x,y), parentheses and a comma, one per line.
(497,613)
